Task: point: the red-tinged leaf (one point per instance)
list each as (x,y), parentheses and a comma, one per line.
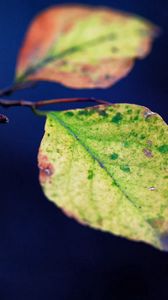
(83,46)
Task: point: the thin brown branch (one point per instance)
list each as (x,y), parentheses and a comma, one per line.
(3,119)
(69,100)
(10,103)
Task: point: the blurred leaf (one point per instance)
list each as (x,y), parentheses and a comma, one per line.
(83,46)
(108,167)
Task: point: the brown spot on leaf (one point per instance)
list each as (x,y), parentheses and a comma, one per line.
(61,63)
(148,113)
(46,168)
(86,68)
(149,143)
(114,49)
(159,223)
(152,188)
(147,152)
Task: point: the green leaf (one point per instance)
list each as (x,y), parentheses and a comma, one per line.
(83,46)
(107,167)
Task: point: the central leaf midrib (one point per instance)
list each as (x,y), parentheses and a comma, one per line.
(70,50)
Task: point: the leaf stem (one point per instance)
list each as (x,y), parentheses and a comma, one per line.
(16,87)
(3,119)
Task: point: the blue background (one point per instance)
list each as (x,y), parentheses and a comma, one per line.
(43,254)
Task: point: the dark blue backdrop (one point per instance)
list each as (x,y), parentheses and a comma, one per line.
(43,254)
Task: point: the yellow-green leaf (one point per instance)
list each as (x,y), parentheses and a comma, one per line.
(107,167)
(83,46)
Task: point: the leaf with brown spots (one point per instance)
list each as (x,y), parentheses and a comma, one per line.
(83,46)
(107,166)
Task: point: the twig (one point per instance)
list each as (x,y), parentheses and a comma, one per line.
(3,119)
(10,103)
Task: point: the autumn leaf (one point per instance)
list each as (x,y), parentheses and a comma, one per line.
(83,46)
(107,167)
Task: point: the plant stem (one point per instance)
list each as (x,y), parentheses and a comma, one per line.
(10,103)
(16,87)
(3,119)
